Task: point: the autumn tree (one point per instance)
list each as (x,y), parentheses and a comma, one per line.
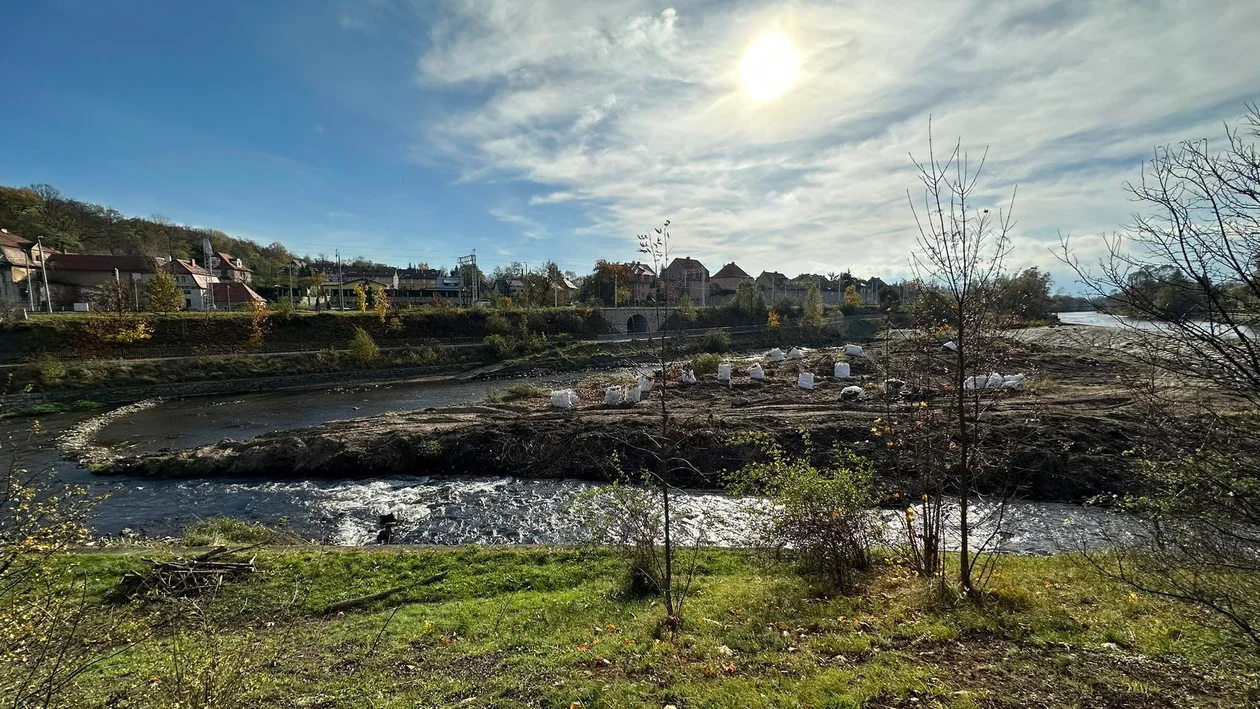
(812,310)
(162,294)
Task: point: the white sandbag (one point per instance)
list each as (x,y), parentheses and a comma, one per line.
(612,396)
(564,399)
(775,355)
(633,394)
(842,370)
(979,381)
(852,351)
(995,381)
(851,393)
(756,372)
(688,377)
(951,346)
(645,384)
(1013,378)
(893,386)
(795,353)
(724,372)
(805,380)
(1013,384)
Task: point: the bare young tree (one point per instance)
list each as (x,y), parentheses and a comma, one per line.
(961,254)
(1186,272)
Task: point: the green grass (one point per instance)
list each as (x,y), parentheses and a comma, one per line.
(227,531)
(552,628)
(51,408)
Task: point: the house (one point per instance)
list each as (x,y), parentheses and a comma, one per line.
(689,276)
(565,291)
(772,283)
(339,283)
(193,282)
(227,268)
(19,272)
(234,295)
(82,278)
(427,285)
(729,277)
(641,280)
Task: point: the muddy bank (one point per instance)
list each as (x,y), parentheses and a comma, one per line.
(1062,437)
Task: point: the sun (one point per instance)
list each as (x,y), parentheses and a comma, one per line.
(769,67)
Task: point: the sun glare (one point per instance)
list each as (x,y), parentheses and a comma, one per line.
(769,67)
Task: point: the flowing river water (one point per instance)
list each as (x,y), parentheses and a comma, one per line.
(432,509)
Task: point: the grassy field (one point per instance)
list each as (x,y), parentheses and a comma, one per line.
(554,628)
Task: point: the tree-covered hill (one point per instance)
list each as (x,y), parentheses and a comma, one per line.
(71,225)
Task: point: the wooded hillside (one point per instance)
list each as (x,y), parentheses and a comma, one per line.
(81,227)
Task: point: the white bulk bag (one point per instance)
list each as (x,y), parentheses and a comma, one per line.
(951,345)
(612,396)
(979,381)
(1013,378)
(893,386)
(756,372)
(689,377)
(645,384)
(563,399)
(850,393)
(852,351)
(842,370)
(633,394)
(795,353)
(724,372)
(805,380)
(995,381)
(776,355)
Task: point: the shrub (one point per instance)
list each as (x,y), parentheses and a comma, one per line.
(822,516)
(629,519)
(50,368)
(717,342)
(706,364)
(362,346)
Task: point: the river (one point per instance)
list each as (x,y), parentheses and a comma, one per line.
(437,510)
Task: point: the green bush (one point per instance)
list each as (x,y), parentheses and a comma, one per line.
(362,346)
(822,515)
(706,364)
(717,342)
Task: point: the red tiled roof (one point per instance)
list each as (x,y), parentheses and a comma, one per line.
(188,268)
(234,292)
(226,261)
(731,270)
(13,240)
(95,262)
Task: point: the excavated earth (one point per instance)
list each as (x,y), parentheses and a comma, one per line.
(1061,438)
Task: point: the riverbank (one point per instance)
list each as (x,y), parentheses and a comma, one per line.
(555,628)
(1064,433)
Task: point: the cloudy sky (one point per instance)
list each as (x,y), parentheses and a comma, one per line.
(417,130)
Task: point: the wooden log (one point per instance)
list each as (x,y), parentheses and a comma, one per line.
(337,606)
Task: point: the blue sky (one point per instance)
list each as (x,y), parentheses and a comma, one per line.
(417,130)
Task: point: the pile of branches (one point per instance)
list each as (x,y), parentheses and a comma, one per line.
(188,577)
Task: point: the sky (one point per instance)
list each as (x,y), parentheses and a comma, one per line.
(413,131)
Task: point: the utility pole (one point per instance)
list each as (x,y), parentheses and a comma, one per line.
(210,277)
(341,284)
(43,267)
(30,286)
(290,286)
(614,288)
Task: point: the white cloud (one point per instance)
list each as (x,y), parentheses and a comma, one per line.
(632,113)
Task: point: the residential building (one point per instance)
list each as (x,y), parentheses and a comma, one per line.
(729,277)
(227,268)
(642,283)
(84,278)
(565,291)
(427,285)
(689,276)
(19,272)
(773,284)
(193,282)
(335,292)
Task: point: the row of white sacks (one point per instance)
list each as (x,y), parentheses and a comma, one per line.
(776,354)
(567,398)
